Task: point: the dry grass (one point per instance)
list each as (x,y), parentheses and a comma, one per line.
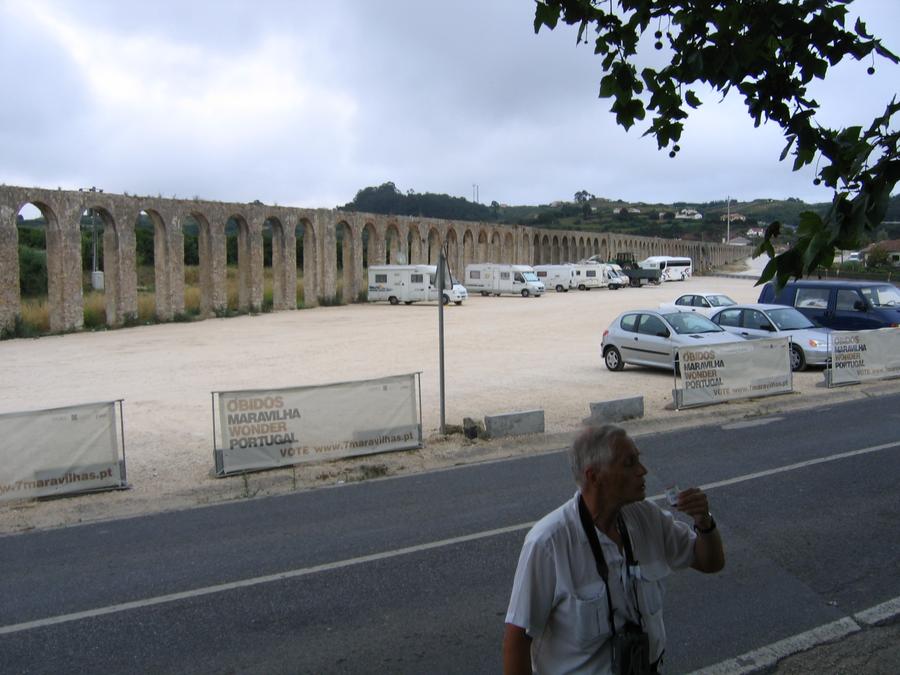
(35,312)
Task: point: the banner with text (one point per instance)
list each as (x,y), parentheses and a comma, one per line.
(864,355)
(725,372)
(53,452)
(269,428)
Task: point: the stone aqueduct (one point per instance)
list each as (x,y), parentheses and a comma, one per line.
(384,237)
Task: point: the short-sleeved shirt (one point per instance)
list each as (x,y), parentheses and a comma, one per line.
(559,598)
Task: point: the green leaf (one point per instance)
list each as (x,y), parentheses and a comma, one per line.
(609,86)
(768,272)
(691,99)
(787,148)
(545,15)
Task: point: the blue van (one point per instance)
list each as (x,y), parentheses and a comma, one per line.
(840,305)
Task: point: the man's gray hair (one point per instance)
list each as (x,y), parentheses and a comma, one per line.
(593,447)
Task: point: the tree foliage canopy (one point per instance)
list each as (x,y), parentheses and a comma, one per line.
(769,51)
(387,199)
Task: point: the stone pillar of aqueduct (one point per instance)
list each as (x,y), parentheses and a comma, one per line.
(364,239)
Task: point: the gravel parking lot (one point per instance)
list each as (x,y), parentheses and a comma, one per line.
(502,354)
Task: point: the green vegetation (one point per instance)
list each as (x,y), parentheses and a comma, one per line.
(387,199)
(769,52)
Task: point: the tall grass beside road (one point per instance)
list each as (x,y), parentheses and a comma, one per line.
(35,311)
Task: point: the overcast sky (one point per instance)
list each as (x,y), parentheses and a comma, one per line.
(304,103)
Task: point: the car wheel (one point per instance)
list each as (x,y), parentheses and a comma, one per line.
(559,288)
(525,293)
(581,287)
(798,360)
(613,359)
(446,299)
(393,300)
(485,293)
(407,302)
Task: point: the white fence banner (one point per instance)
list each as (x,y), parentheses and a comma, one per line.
(725,372)
(268,428)
(52,452)
(864,355)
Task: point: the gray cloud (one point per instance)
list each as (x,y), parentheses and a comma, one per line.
(305,103)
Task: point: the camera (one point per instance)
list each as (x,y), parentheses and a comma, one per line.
(631,651)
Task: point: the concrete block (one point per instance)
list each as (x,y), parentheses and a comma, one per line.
(514,423)
(608,412)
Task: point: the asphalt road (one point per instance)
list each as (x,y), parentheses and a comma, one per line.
(412,574)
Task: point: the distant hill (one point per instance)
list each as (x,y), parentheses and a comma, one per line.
(592,214)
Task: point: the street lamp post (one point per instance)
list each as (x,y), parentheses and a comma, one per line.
(96,275)
(728,221)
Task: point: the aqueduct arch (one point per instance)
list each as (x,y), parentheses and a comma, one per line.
(304,244)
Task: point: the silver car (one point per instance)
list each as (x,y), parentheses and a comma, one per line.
(809,343)
(645,337)
(700,302)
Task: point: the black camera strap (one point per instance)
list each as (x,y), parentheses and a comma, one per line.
(602,568)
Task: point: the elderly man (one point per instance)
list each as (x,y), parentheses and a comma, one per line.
(587,595)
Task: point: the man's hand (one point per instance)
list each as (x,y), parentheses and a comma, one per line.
(693,502)
(709,555)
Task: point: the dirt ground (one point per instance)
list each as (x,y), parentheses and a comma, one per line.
(502,355)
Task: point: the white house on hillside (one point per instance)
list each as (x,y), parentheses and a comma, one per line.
(688,214)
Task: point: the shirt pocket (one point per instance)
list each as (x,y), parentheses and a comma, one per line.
(591,619)
(652,588)
(651,593)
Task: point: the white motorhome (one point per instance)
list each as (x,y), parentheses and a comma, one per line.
(497,279)
(411,283)
(617,277)
(590,274)
(560,277)
(671,268)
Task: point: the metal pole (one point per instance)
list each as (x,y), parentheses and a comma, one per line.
(93,240)
(440,275)
(728,222)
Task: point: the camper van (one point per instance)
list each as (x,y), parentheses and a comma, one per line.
(590,275)
(560,277)
(671,268)
(497,279)
(411,283)
(617,277)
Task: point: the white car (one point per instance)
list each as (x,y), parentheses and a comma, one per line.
(809,343)
(702,303)
(644,337)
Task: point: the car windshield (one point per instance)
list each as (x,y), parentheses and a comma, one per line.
(789,318)
(720,300)
(689,322)
(883,295)
(529,276)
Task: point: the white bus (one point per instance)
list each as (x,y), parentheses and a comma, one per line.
(671,268)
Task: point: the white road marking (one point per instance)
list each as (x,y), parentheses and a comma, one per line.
(878,613)
(349,562)
(751,423)
(768,656)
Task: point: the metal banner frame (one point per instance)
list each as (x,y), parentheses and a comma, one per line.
(725,391)
(288,439)
(52,482)
(865,354)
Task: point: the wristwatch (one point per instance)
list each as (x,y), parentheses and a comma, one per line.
(706,530)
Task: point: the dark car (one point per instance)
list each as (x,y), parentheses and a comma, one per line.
(840,305)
